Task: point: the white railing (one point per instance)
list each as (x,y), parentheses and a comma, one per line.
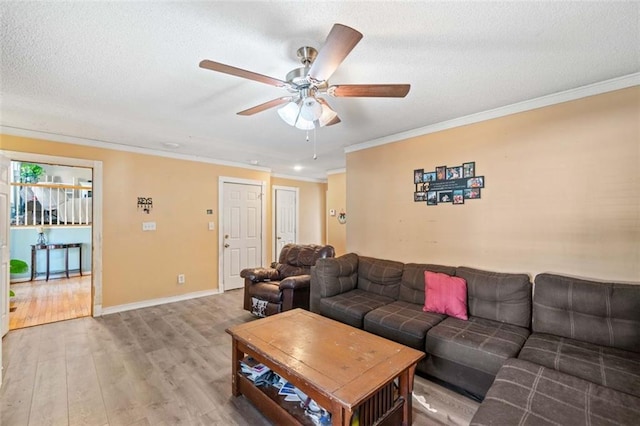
(50,204)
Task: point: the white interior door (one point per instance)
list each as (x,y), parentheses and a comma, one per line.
(285,217)
(5,166)
(241,230)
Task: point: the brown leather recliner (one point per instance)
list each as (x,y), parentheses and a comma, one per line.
(285,285)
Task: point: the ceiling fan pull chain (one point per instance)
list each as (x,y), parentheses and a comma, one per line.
(315,157)
(307,136)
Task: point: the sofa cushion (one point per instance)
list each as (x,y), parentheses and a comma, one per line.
(498,296)
(351,307)
(477,343)
(524,393)
(338,275)
(380,276)
(595,312)
(445,295)
(603,365)
(402,322)
(412,283)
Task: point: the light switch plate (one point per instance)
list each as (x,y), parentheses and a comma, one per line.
(148,226)
(212,226)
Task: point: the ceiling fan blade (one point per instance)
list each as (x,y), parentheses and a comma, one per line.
(239,72)
(340,41)
(271,104)
(369,90)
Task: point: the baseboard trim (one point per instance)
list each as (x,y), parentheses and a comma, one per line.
(155,302)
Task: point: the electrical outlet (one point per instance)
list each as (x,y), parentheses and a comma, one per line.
(148,226)
(180,278)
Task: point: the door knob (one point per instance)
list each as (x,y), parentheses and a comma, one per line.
(226,246)
(279,238)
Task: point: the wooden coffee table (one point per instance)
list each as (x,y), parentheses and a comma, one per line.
(342,368)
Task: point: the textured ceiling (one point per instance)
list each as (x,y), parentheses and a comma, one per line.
(127,72)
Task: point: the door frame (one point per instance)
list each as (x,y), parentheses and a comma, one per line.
(96,222)
(221,181)
(274,200)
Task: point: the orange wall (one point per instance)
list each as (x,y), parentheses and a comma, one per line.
(138,265)
(562,193)
(337,200)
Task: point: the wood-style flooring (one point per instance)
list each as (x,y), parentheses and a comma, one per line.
(41,302)
(163,365)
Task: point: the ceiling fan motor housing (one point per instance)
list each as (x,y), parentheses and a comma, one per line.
(307,55)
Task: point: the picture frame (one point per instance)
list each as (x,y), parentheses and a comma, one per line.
(469,169)
(472,193)
(429,177)
(432,198)
(443,184)
(454,173)
(445,196)
(475,182)
(458,196)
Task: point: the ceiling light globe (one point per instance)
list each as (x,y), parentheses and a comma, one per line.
(311,109)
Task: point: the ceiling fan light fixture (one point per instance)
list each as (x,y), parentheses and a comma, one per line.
(289,113)
(311,109)
(303,124)
(327,115)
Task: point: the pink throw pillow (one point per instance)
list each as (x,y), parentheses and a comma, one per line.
(445,295)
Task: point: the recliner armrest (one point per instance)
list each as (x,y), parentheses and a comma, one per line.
(296,282)
(260,274)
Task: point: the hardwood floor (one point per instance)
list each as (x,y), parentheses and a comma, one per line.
(41,302)
(163,365)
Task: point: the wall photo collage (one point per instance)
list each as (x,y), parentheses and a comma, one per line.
(447,184)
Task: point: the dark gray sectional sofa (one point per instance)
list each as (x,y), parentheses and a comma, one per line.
(524,348)
(386,298)
(581,363)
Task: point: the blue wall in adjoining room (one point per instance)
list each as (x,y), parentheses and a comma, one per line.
(23,238)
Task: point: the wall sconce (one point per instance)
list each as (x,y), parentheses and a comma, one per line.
(145,204)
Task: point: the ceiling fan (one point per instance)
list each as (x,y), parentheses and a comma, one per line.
(305,108)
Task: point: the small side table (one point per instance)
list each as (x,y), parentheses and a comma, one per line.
(48,248)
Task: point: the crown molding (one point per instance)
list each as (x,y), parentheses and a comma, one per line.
(96,143)
(302,178)
(543,101)
(336,171)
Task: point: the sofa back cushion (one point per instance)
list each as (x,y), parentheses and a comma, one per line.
(498,296)
(412,283)
(380,276)
(297,259)
(333,276)
(601,313)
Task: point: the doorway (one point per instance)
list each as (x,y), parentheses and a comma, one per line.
(51,221)
(285,217)
(94,255)
(242,229)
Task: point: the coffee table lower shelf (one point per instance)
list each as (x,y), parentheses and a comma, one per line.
(272,405)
